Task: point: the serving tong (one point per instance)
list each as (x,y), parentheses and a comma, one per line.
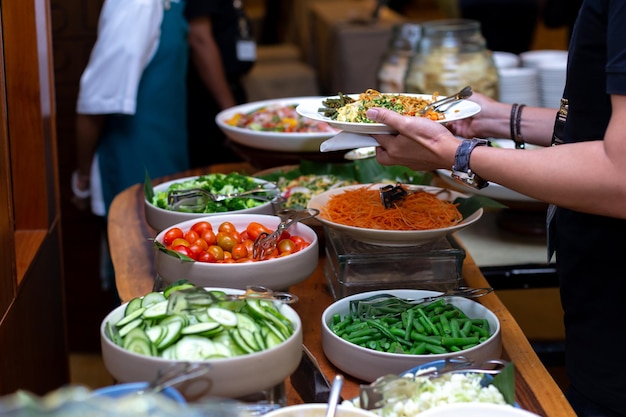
(436,105)
(372,396)
(392,195)
(389,305)
(192,199)
(190,299)
(265,243)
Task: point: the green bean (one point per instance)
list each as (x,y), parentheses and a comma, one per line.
(409,324)
(445,324)
(458,341)
(368,331)
(435,349)
(429,324)
(418,337)
(480,330)
(454,328)
(384,330)
(418,349)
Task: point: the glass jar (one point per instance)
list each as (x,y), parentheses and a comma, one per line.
(394,63)
(451,55)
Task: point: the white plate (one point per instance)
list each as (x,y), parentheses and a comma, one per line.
(391,237)
(271,141)
(310,108)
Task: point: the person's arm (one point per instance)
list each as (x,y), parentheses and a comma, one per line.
(207,58)
(586,176)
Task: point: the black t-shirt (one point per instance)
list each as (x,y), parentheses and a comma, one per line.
(591,249)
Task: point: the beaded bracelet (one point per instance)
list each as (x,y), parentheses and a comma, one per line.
(512,120)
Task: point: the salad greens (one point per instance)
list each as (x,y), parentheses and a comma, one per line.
(214,183)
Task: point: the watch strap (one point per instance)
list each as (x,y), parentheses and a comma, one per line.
(461,170)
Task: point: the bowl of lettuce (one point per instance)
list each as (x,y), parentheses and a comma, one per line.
(159,215)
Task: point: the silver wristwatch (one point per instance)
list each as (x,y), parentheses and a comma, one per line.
(461,171)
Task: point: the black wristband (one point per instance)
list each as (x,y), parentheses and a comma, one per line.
(512,120)
(519,138)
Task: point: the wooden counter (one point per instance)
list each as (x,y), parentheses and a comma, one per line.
(132,255)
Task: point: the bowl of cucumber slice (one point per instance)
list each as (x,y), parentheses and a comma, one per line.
(251,345)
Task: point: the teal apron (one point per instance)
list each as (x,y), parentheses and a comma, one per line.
(154,140)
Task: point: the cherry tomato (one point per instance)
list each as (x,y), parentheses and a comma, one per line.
(180,241)
(201,227)
(196,250)
(172,234)
(226,242)
(227,227)
(207,257)
(299,241)
(239,251)
(192,236)
(254,229)
(202,243)
(216,251)
(209,237)
(286,246)
(183,249)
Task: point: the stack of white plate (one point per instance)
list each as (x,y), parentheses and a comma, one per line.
(551,66)
(503,59)
(519,85)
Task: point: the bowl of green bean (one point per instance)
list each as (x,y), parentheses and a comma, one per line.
(368,343)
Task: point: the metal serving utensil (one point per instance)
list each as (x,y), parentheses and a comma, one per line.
(390,305)
(191,199)
(175,374)
(390,195)
(461,95)
(265,243)
(372,396)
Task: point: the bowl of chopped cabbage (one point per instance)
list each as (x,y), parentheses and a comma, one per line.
(274,125)
(249,345)
(476,409)
(349,345)
(160,216)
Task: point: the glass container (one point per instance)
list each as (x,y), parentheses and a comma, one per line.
(451,55)
(395,61)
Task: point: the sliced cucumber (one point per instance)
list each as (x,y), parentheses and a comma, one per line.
(240,342)
(130,317)
(205,329)
(272,340)
(244,321)
(156,334)
(222,316)
(194,348)
(176,286)
(132,305)
(152,298)
(130,326)
(156,310)
(173,330)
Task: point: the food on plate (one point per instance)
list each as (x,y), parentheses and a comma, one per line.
(227,244)
(347,109)
(297,192)
(416,394)
(215,183)
(191,324)
(278,118)
(436,328)
(362,207)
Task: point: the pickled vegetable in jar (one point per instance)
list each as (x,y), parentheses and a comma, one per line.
(395,62)
(452,54)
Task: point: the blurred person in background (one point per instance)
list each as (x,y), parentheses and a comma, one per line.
(131,107)
(579,171)
(222,51)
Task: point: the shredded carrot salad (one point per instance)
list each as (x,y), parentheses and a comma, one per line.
(361,207)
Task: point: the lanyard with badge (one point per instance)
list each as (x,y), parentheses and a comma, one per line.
(246,47)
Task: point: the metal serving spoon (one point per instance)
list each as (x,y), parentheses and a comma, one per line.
(191,199)
(461,95)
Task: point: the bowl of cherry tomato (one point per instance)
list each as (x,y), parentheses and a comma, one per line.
(217,251)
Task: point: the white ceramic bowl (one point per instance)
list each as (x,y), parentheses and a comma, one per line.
(272,141)
(277,274)
(318,410)
(161,219)
(367,364)
(231,377)
(391,237)
(476,410)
